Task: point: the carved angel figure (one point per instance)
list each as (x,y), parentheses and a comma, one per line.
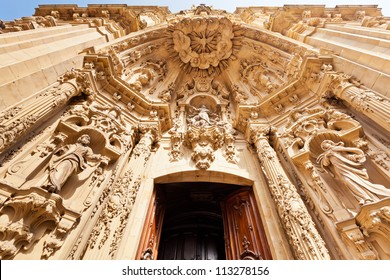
(346,164)
(70,159)
(201,116)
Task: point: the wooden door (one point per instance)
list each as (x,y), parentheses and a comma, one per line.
(244,234)
(148,248)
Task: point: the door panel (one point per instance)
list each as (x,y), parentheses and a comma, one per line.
(244,233)
(148,248)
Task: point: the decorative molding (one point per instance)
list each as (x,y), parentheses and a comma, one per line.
(353,236)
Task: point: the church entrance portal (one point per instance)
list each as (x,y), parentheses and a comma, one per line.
(203,221)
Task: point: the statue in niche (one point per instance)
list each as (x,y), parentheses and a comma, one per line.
(346,164)
(201,116)
(68,160)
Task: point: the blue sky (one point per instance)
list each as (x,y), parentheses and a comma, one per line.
(11,9)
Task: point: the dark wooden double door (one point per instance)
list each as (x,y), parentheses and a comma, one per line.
(203,221)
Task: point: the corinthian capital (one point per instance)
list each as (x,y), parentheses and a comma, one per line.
(81,80)
(338,83)
(150,131)
(256,132)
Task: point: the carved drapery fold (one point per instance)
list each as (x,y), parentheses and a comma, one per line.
(88,137)
(305,134)
(303,236)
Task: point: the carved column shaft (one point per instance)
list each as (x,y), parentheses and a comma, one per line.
(303,236)
(16,121)
(367,102)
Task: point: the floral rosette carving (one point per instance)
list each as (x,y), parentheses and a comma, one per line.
(203,42)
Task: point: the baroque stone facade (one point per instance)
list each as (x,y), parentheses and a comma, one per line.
(266,127)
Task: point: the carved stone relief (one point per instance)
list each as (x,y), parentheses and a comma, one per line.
(291,209)
(318,143)
(239,95)
(118,204)
(30,216)
(374,223)
(17,120)
(346,164)
(166,94)
(261,78)
(202,85)
(147,75)
(203,141)
(69,152)
(176,133)
(363,100)
(204,42)
(206,65)
(206,131)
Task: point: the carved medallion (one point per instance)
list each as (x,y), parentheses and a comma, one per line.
(203,42)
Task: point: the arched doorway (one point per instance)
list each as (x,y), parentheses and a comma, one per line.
(203,221)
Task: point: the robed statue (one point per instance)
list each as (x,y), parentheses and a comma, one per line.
(346,164)
(68,160)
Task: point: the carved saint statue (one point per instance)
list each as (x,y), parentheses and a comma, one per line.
(346,164)
(68,160)
(201,116)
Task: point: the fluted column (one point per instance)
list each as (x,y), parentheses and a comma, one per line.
(16,121)
(306,242)
(369,103)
